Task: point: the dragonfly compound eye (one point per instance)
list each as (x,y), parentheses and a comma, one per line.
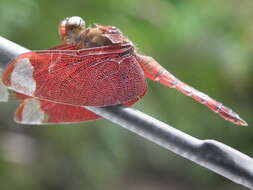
(75,21)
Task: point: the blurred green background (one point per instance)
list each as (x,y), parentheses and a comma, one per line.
(208,44)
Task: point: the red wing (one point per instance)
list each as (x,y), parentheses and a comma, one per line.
(38,112)
(5,95)
(95,76)
(64,47)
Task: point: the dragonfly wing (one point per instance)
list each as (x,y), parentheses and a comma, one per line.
(94,77)
(38,112)
(41,112)
(64,47)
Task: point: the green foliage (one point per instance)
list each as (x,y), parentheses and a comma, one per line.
(208,44)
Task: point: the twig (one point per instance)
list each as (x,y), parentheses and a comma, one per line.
(210,154)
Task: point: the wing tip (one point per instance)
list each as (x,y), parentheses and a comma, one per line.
(30,112)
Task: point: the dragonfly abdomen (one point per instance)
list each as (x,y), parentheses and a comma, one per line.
(154,71)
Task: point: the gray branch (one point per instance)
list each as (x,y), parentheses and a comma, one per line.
(210,154)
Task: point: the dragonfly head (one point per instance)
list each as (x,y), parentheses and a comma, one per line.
(70,28)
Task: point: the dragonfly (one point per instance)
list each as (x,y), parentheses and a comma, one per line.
(94,66)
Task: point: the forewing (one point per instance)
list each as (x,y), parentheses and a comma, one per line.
(95,77)
(38,112)
(64,47)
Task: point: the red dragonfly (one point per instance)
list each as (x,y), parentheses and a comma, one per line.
(95,66)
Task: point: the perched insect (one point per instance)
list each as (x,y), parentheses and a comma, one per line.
(95,66)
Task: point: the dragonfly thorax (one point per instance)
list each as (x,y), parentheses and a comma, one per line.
(73,31)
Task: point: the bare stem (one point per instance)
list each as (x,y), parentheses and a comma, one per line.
(210,154)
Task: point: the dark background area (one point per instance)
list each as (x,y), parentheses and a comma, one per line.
(208,44)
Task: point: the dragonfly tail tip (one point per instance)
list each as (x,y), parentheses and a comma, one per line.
(241,122)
